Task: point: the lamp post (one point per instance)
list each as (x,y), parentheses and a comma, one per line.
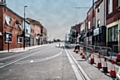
(24,27)
(93,19)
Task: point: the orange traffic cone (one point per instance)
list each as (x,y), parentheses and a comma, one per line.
(83,55)
(105,69)
(92,57)
(99,65)
(81,51)
(112,71)
(76,50)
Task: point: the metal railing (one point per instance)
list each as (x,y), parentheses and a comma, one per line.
(103,51)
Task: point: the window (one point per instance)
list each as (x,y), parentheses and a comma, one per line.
(8,20)
(89,25)
(19,39)
(98,23)
(98,9)
(26,29)
(19,27)
(118,3)
(113,34)
(8,37)
(109,34)
(110,6)
(116,32)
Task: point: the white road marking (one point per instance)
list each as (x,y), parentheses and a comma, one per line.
(80,67)
(75,69)
(19,54)
(38,60)
(18,60)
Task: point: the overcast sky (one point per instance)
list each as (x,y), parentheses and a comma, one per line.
(57,16)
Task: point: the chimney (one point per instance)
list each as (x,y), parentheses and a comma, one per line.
(2,2)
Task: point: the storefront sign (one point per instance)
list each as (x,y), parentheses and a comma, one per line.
(27,35)
(96,31)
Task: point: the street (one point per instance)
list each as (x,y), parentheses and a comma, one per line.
(49,62)
(44,63)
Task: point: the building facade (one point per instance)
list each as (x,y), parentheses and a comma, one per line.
(35,34)
(113,23)
(11,28)
(44,36)
(100,28)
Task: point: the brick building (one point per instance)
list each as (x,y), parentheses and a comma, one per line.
(11,27)
(91,22)
(100,28)
(113,23)
(35,34)
(44,36)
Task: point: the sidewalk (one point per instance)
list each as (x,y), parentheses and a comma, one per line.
(91,70)
(21,49)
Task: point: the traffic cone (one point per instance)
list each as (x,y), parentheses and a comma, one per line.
(112,71)
(83,55)
(76,51)
(99,65)
(105,69)
(81,51)
(92,57)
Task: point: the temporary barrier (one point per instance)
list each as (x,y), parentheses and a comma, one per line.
(118,75)
(118,59)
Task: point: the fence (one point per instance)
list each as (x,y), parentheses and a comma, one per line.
(103,51)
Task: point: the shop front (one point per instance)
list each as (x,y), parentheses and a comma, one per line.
(27,40)
(100,36)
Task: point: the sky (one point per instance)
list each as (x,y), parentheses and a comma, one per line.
(57,16)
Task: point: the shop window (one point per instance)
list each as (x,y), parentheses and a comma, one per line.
(8,37)
(19,39)
(113,34)
(116,33)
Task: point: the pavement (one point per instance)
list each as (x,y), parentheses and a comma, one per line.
(91,70)
(15,50)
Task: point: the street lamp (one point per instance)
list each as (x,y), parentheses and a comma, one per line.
(24,27)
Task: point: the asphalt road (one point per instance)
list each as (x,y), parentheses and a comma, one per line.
(44,63)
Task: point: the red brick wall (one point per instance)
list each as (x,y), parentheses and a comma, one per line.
(38,30)
(115,15)
(13,29)
(33,33)
(1,28)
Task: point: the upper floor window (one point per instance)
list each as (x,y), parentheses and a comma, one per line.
(118,3)
(89,25)
(98,9)
(98,23)
(8,20)
(110,6)
(19,27)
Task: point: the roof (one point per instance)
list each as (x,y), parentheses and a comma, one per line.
(4,6)
(34,21)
